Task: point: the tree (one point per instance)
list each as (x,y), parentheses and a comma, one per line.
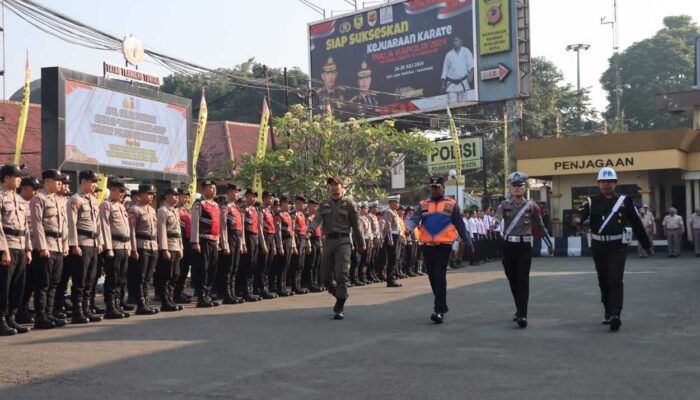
(312,149)
(662,63)
(239,100)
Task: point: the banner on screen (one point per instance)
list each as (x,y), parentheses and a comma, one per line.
(411,56)
(108,128)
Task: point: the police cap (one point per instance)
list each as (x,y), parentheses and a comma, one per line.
(116,184)
(437,181)
(147,188)
(51,174)
(88,175)
(31,181)
(517,178)
(233,187)
(251,191)
(171,190)
(11,170)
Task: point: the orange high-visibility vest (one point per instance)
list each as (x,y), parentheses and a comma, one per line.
(436,221)
(403,228)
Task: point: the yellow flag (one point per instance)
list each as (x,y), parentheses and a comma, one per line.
(102,184)
(455,144)
(201,127)
(262,146)
(24,113)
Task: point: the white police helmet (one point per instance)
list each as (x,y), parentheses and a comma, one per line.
(607,174)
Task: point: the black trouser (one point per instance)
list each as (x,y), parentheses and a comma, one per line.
(83,275)
(46,275)
(362,269)
(142,272)
(380,259)
(101,265)
(278,279)
(29,287)
(609,259)
(167,272)
(408,259)
(436,260)
(12,282)
(185,263)
(312,271)
(228,266)
(204,265)
(517,259)
(264,264)
(249,261)
(392,254)
(115,275)
(66,275)
(297,264)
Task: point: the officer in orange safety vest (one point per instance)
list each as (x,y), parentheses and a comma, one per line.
(439,221)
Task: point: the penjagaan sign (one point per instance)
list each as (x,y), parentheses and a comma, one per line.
(442,156)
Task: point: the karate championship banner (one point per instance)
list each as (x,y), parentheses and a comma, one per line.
(412,56)
(109,128)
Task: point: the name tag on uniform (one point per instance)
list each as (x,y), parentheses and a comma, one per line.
(448,207)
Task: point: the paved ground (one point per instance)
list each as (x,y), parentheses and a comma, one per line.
(386,348)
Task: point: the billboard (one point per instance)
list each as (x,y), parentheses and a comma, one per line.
(109,128)
(442,156)
(113,127)
(414,56)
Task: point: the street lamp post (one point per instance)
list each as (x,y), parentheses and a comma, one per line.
(577,48)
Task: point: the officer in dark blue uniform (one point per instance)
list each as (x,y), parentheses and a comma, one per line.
(608,213)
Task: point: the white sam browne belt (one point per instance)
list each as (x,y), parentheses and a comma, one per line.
(606,238)
(519,239)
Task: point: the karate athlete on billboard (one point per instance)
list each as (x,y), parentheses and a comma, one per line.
(458,73)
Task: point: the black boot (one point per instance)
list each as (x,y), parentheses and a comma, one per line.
(43,322)
(112,311)
(228,297)
(5,329)
(203,301)
(78,317)
(296,287)
(338,309)
(119,307)
(13,324)
(143,309)
(23,316)
(87,311)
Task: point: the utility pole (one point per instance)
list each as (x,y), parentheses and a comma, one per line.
(617,127)
(577,48)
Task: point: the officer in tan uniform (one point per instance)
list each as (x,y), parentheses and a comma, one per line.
(62,195)
(117,245)
(392,236)
(50,245)
(16,246)
(338,218)
(85,241)
(183,199)
(144,248)
(674,229)
(170,247)
(27,190)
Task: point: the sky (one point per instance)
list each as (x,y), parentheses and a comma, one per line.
(224,33)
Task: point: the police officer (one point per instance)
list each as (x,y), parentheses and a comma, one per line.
(439,221)
(674,229)
(313,260)
(170,248)
(254,244)
(16,248)
(338,217)
(60,310)
(206,227)
(232,243)
(273,243)
(331,94)
(85,241)
(303,246)
(608,212)
(376,248)
(360,277)
(392,235)
(285,226)
(521,218)
(117,246)
(144,248)
(183,199)
(49,234)
(27,190)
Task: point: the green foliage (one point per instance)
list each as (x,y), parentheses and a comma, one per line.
(312,149)
(236,100)
(662,63)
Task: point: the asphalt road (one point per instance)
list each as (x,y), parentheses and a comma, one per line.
(387,348)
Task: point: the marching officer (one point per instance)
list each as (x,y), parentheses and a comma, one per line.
(439,221)
(273,243)
(116,232)
(608,212)
(206,228)
(232,243)
(392,235)
(338,217)
(85,241)
(170,248)
(183,199)
(144,248)
(303,246)
(49,243)
(521,218)
(16,249)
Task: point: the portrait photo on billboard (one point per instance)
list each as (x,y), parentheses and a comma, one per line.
(404,57)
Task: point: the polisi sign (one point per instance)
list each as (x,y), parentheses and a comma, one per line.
(442,156)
